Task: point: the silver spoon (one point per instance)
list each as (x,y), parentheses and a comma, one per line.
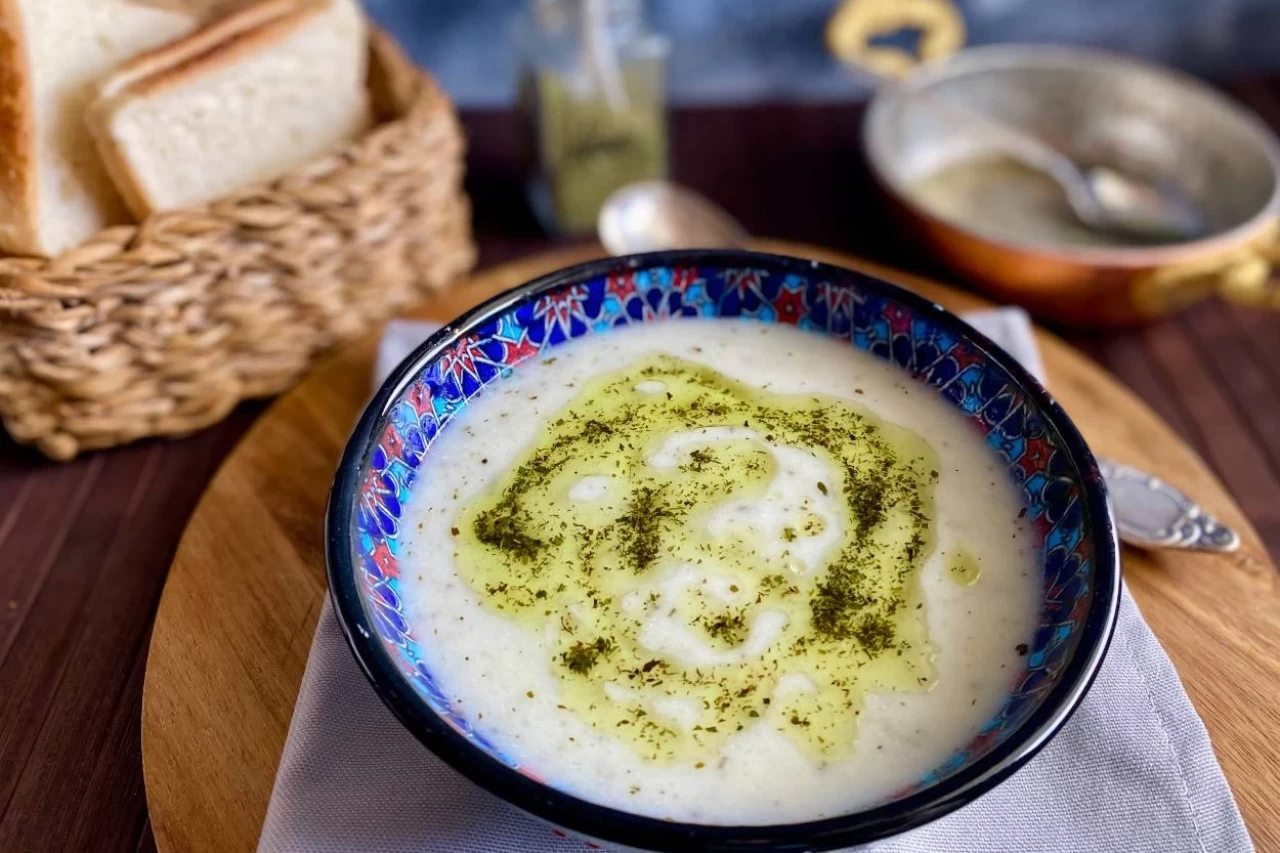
(1102,198)
(657,215)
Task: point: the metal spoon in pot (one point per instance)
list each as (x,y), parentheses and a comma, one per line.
(657,215)
(1105,199)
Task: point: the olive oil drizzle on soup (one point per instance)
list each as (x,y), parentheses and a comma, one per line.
(719,571)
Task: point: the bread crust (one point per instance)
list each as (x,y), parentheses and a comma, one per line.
(216,44)
(237,45)
(17,137)
(23,141)
(204,39)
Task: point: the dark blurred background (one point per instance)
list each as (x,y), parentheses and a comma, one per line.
(730,51)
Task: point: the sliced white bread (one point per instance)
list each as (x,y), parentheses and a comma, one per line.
(243,100)
(54,190)
(203,40)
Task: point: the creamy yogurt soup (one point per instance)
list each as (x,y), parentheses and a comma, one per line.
(720,572)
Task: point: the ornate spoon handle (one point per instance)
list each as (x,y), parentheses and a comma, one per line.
(1152,514)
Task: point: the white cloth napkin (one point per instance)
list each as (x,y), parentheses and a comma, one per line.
(1132,772)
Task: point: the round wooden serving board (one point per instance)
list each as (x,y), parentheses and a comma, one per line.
(236,620)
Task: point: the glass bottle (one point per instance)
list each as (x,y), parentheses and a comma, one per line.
(594,87)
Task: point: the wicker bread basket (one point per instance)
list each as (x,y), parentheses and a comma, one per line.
(159,329)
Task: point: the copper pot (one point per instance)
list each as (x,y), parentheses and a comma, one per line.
(1099,108)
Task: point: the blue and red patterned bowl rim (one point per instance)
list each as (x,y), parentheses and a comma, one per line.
(1092,618)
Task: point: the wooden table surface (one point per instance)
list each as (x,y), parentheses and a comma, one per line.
(85,546)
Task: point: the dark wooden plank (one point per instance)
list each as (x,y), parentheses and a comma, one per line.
(95,610)
(1241,372)
(1126,356)
(14,489)
(46,507)
(1259,333)
(115,820)
(146,841)
(16,484)
(17,465)
(1223,435)
(40,651)
(61,749)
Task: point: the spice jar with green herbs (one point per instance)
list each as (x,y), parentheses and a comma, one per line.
(595,92)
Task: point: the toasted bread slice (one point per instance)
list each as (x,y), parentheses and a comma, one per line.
(240,101)
(203,40)
(54,190)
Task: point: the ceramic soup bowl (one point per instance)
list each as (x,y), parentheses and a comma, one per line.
(1046,458)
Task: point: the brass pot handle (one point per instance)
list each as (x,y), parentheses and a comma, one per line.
(856,22)
(1242,276)
(1250,279)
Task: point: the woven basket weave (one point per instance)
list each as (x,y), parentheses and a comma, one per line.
(160,329)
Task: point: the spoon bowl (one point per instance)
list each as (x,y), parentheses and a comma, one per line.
(1105,199)
(654,216)
(1144,211)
